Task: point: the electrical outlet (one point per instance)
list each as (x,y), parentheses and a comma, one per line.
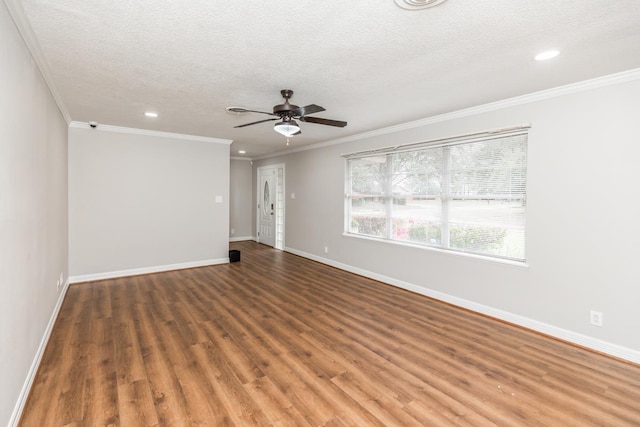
(596,318)
(326,249)
(233,231)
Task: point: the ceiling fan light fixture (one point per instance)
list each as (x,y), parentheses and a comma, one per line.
(287,127)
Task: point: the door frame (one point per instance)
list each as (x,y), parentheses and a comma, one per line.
(279,220)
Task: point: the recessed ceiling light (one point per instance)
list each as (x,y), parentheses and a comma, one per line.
(150,114)
(417,4)
(242,152)
(547,55)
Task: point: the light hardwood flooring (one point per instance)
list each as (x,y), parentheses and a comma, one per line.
(280,340)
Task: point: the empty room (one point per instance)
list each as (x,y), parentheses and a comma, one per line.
(291,213)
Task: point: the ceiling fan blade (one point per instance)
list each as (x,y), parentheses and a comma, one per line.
(255,123)
(320,121)
(308,109)
(245,110)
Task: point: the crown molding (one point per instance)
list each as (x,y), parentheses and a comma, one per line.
(156,133)
(582,86)
(248,159)
(26,32)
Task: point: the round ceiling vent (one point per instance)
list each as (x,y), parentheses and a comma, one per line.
(418,4)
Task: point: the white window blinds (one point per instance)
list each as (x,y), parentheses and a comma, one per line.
(462,194)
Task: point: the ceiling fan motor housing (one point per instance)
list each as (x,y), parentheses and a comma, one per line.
(285,109)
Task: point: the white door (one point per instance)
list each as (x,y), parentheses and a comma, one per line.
(267,206)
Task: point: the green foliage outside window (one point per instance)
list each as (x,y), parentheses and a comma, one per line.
(369,226)
(477,239)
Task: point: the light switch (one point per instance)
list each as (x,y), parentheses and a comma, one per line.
(293,195)
(218,199)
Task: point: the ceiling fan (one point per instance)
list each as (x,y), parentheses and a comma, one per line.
(286,113)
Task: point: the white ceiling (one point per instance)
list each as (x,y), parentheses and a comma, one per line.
(368,62)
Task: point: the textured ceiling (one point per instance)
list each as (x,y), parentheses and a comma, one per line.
(367,62)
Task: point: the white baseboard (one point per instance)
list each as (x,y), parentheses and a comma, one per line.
(33,370)
(241,239)
(146,270)
(544,328)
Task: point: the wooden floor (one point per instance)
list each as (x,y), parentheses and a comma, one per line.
(279,340)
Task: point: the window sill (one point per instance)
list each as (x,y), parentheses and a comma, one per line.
(438,250)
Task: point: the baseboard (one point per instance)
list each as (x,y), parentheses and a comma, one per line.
(544,328)
(146,270)
(241,239)
(33,370)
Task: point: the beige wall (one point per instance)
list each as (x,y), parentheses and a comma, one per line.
(240,220)
(141,201)
(33,212)
(582,219)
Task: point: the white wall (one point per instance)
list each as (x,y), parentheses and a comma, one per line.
(33,212)
(582,219)
(144,202)
(241,201)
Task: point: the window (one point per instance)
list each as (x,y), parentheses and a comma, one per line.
(462,194)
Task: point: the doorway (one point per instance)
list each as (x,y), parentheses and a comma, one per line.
(270,206)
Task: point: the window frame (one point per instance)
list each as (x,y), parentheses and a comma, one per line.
(445,195)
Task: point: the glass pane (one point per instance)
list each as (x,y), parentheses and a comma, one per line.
(368,175)
(416,188)
(416,231)
(491,168)
(487,197)
(428,160)
(267,199)
(417,172)
(492,227)
(368,216)
(416,219)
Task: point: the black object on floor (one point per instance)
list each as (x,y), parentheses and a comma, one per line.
(234,255)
